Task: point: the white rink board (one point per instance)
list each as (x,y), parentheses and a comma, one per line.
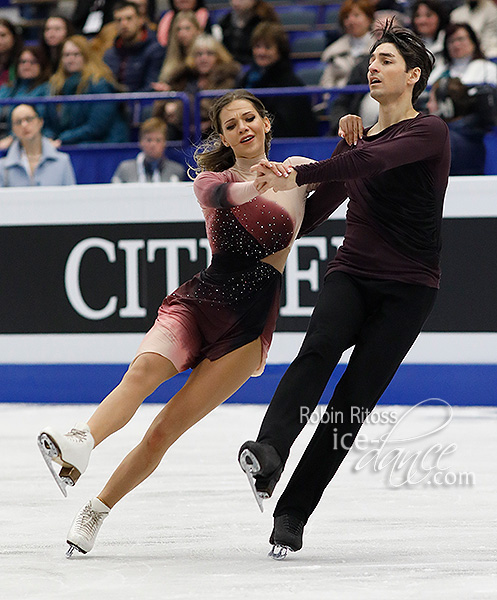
(473,197)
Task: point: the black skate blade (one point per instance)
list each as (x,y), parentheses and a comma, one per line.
(49,451)
(278,552)
(250,465)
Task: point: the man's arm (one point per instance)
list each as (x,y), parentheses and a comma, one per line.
(422,141)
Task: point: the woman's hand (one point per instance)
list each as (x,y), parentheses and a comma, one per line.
(351,129)
(273,175)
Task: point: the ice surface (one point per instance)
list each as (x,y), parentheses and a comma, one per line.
(193,529)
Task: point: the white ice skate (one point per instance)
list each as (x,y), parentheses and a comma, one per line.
(85,527)
(70,450)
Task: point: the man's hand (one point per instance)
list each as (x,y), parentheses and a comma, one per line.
(273,175)
(350,128)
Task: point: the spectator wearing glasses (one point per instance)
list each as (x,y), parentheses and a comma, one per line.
(32,159)
(482,16)
(464,58)
(31,76)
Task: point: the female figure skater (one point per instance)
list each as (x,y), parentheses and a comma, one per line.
(378,290)
(219,323)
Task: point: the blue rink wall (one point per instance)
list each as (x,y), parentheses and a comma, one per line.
(461,385)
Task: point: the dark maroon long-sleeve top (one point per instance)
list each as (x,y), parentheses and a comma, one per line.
(396,182)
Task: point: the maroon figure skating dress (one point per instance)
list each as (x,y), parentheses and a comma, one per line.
(235,300)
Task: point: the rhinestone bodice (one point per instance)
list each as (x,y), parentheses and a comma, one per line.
(256,229)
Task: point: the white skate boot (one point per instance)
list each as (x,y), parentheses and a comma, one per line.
(70,450)
(85,527)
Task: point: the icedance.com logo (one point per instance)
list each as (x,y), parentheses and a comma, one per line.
(404,450)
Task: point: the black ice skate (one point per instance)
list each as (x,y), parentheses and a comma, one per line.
(286,535)
(263,467)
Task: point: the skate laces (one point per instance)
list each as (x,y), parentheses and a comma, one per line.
(293,525)
(88,521)
(78,434)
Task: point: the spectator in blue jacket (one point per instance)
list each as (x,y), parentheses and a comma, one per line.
(32,158)
(136,57)
(31,79)
(80,72)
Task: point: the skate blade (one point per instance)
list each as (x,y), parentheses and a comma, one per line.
(278,552)
(71,549)
(250,466)
(49,450)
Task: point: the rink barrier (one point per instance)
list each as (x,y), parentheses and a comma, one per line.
(85,267)
(459,385)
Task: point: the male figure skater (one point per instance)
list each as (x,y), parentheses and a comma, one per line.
(378,290)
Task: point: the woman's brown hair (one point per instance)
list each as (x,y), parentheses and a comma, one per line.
(213,155)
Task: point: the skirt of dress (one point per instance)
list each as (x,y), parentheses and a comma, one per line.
(224,307)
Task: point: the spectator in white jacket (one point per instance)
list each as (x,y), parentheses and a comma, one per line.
(356,18)
(463,58)
(482,16)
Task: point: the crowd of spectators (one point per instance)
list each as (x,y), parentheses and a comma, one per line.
(115,46)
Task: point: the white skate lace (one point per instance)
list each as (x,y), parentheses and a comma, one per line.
(88,522)
(78,434)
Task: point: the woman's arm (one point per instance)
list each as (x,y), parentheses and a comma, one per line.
(214,191)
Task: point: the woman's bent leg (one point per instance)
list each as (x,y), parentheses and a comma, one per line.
(210,384)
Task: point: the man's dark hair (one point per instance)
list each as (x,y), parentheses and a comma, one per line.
(412,49)
(124,4)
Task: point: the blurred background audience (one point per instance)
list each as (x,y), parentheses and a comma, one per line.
(208,66)
(81,72)
(176,6)
(239,23)
(166,46)
(54,33)
(271,67)
(184,32)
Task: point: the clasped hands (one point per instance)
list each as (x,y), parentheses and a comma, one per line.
(273,175)
(278,176)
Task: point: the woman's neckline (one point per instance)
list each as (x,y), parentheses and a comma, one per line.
(243,165)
